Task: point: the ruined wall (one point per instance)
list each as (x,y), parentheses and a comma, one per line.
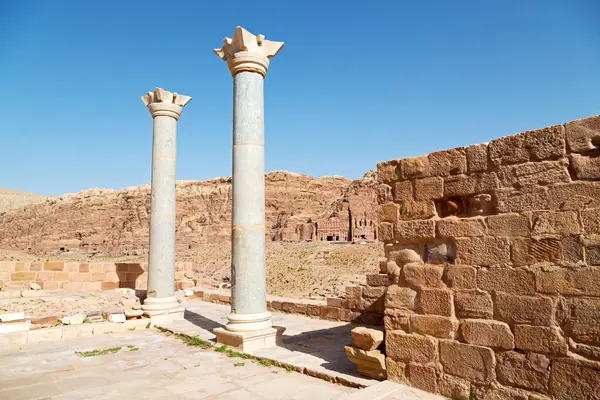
(493,256)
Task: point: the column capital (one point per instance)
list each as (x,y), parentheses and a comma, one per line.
(247,52)
(161,102)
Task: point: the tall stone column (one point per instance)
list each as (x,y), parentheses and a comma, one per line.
(165,108)
(249,324)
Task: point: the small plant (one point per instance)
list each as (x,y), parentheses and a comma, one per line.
(194,342)
(130,346)
(239,364)
(93,353)
(131,329)
(148,325)
(288,369)
(134,349)
(310,221)
(221,349)
(265,362)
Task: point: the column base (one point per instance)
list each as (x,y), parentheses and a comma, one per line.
(249,342)
(162,309)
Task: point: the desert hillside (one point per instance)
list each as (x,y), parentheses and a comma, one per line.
(10,199)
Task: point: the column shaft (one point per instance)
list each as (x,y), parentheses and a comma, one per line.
(248,266)
(161,265)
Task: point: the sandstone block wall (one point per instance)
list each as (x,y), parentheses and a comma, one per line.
(493,254)
(86,276)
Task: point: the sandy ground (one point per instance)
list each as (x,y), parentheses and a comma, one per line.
(299,270)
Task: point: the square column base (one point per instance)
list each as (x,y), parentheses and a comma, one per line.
(165,316)
(249,342)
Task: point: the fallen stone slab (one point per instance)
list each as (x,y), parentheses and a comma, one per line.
(75,319)
(44,322)
(131,314)
(95,316)
(15,326)
(366,338)
(12,316)
(368,363)
(34,286)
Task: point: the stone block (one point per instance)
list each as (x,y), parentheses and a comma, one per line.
(477,158)
(377,280)
(439,252)
(584,319)
(543,144)
(583,135)
(572,379)
(535,173)
(110,285)
(531,251)
(423,275)
(312,310)
(429,188)
(369,363)
(387,212)
(14,326)
(54,266)
(453,387)
(45,335)
(397,319)
(526,199)
(50,285)
(434,325)
(436,302)
(354,291)
(467,361)
(423,377)
(366,338)
(591,221)
(424,229)
(23,276)
(7,266)
(528,371)
(487,333)
(384,194)
(529,310)
(400,297)
(585,168)
(448,162)
(461,277)
(486,251)
(465,185)
(509,280)
(373,292)
(582,281)
(36,266)
(473,304)
(574,196)
(59,276)
(410,347)
(497,392)
(388,172)
(416,167)
(21,266)
(461,227)
(396,370)
(12,316)
(556,223)
(508,225)
(331,313)
(416,209)
(540,339)
(403,190)
(593,255)
(385,231)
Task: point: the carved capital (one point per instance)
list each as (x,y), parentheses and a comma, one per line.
(246,52)
(161,102)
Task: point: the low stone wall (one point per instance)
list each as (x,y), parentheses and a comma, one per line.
(493,255)
(57,275)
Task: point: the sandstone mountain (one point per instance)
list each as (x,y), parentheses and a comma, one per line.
(10,199)
(116,222)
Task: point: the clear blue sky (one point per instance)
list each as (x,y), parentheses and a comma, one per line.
(357,83)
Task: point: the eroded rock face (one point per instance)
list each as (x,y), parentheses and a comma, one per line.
(116,222)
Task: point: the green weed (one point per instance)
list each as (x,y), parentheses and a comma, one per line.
(94,353)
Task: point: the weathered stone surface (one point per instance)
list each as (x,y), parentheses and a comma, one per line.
(464,185)
(529,310)
(384,193)
(400,297)
(461,227)
(366,338)
(583,135)
(586,168)
(369,363)
(509,280)
(453,387)
(535,173)
(436,302)
(542,144)
(429,188)
(397,319)
(388,172)
(403,190)
(524,199)
(574,196)
(591,221)
(416,209)
(557,223)
(486,251)
(575,379)
(423,275)
(410,347)
(12,316)
(467,361)
(424,229)
(528,371)
(480,204)
(531,251)
(473,304)
(416,167)
(439,252)
(508,225)
(385,231)
(477,158)
(540,339)
(582,281)
(487,333)
(396,370)
(373,292)
(377,280)
(496,392)
(461,277)
(448,162)
(422,377)
(584,319)
(387,212)
(434,325)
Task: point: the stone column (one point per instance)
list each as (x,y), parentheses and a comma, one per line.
(165,108)
(249,324)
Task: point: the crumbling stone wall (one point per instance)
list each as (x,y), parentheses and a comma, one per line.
(493,256)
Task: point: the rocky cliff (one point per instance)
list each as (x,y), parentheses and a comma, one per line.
(116,222)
